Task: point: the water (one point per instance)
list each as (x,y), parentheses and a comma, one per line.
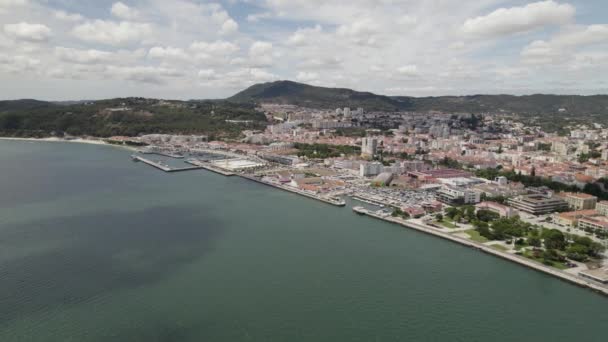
(94,247)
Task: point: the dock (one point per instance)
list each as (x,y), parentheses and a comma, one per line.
(163,167)
(487,249)
(210,167)
(329,200)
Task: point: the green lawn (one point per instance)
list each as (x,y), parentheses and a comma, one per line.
(558,265)
(474,235)
(447,224)
(500,248)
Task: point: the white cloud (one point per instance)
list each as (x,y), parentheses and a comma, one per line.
(28,32)
(207,74)
(143,74)
(90,56)
(408,70)
(229,27)
(260,54)
(168,53)
(18,63)
(505,21)
(252,18)
(304,36)
(362,32)
(307,76)
(4,4)
(122,11)
(112,33)
(69,17)
(562,46)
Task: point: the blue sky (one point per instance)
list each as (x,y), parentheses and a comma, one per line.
(182,49)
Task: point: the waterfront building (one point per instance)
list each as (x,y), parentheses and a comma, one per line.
(579,201)
(538,204)
(502,210)
(570,219)
(595,222)
(276,158)
(453,195)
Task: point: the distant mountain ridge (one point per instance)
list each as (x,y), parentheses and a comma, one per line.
(288,92)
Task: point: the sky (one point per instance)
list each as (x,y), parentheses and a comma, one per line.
(195,49)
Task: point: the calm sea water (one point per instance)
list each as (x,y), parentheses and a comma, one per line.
(94,247)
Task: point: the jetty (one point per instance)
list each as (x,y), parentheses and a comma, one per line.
(164,167)
(486,249)
(210,167)
(329,200)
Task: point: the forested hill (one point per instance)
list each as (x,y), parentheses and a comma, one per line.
(288,92)
(127,116)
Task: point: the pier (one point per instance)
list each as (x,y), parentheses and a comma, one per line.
(162,167)
(328,200)
(487,249)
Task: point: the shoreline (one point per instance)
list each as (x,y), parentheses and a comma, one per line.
(570,278)
(97,141)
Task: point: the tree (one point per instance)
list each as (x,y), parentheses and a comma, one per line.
(487,215)
(554,239)
(451,212)
(534,241)
(439,217)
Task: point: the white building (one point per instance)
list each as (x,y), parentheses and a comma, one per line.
(369,147)
(370,169)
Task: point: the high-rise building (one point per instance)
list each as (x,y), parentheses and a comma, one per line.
(346,112)
(369,146)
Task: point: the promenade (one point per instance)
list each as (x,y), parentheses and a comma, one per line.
(488,249)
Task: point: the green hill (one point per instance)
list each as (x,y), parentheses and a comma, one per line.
(550,111)
(288,92)
(127,116)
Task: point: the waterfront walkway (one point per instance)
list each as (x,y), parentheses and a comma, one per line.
(487,249)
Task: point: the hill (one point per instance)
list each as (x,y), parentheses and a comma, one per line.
(540,108)
(288,92)
(127,116)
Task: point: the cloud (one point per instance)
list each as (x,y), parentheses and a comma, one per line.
(65,16)
(252,18)
(112,33)
(207,74)
(82,56)
(307,76)
(408,70)
(361,32)
(229,27)
(143,74)
(122,11)
(505,21)
(219,47)
(18,63)
(28,32)
(5,4)
(260,54)
(160,52)
(304,36)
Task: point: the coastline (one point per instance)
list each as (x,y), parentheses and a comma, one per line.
(96,141)
(573,279)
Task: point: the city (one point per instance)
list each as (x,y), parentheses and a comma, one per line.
(452,173)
